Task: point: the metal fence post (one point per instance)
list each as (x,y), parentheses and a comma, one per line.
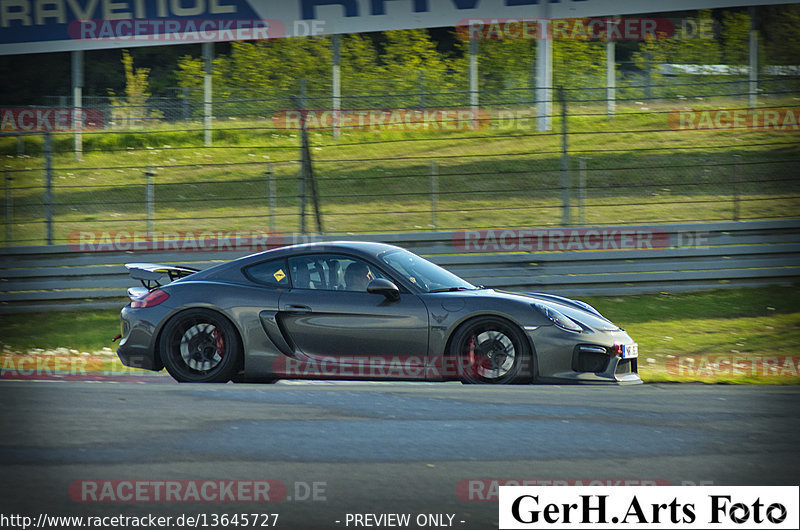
(337,84)
(302,193)
(735,185)
(582,190)
(9,208)
(473,79)
(611,79)
(77,102)
(150,199)
(300,104)
(434,195)
(307,179)
(544,72)
(752,98)
(48,186)
(208,70)
(271,196)
(564,180)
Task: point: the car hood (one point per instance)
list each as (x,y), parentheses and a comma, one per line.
(577,310)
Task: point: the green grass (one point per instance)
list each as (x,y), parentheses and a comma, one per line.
(85,331)
(718,304)
(743,323)
(734,323)
(639,170)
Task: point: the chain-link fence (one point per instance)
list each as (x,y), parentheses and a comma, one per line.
(436,89)
(416,161)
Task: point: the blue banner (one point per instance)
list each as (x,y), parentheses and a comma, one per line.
(33,26)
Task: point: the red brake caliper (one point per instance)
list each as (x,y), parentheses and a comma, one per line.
(472,366)
(220,342)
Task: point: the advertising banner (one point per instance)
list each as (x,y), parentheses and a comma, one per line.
(34,26)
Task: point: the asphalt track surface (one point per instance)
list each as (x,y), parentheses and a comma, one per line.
(414,448)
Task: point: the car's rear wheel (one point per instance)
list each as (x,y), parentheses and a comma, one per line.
(200,346)
(491,350)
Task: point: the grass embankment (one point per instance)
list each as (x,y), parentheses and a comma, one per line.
(639,170)
(737,336)
(732,335)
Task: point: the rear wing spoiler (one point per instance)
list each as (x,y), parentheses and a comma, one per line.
(150,274)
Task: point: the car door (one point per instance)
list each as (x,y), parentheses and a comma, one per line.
(327,314)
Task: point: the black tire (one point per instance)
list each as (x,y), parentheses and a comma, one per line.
(200,346)
(491,350)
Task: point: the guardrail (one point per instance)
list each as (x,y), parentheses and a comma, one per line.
(573,261)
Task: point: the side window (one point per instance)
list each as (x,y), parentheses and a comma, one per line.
(272,273)
(331,273)
(307,273)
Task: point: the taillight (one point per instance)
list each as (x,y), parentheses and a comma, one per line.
(153,298)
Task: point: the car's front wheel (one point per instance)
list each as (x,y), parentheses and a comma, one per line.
(491,350)
(200,346)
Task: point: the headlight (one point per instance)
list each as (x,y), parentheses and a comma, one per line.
(559,319)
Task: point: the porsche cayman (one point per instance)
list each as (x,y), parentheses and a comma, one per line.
(360,310)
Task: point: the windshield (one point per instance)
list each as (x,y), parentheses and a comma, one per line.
(422,273)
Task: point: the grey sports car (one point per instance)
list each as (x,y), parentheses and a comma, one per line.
(356,310)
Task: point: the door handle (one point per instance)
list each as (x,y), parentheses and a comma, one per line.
(297,309)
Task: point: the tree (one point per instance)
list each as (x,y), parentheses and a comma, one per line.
(260,66)
(262,69)
(132,109)
(359,58)
(411,49)
(506,63)
(780,29)
(693,43)
(697,46)
(735,37)
(416,67)
(190,72)
(578,64)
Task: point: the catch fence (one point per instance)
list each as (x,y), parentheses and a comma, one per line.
(396,166)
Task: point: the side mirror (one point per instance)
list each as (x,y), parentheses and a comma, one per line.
(384,287)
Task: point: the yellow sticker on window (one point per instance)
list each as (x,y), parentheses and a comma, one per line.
(280,275)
